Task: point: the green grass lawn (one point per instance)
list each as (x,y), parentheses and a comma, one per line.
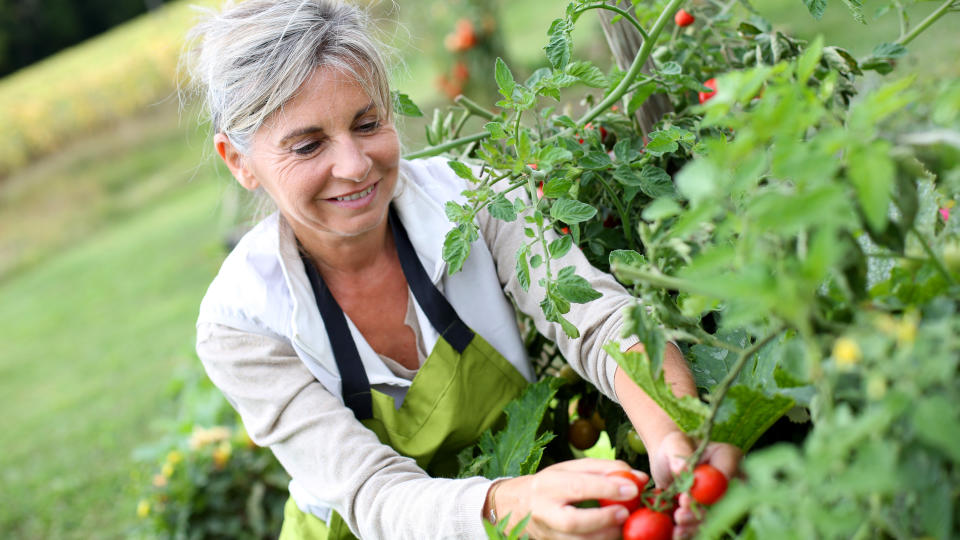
(93,331)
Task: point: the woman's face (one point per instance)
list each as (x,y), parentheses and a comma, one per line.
(327,158)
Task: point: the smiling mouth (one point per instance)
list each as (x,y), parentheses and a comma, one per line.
(358,195)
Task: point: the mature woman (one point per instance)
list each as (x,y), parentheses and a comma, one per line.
(334,329)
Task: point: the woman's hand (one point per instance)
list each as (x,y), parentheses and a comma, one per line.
(670,459)
(548,496)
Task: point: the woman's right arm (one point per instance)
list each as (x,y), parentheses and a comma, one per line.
(379,493)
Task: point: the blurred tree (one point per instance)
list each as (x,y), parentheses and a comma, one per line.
(31,30)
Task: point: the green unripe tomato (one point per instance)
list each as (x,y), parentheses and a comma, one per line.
(635,442)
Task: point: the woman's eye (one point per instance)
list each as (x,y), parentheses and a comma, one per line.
(368,127)
(306,149)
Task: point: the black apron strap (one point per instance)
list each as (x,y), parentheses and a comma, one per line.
(354,384)
(433,303)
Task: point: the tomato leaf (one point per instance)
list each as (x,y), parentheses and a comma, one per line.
(404,106)
(571,211)
(572,287)
(456,248)
(516,450)
(688,412)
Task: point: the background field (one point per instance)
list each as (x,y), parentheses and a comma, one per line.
(108,242)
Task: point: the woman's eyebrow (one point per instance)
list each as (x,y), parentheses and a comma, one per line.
(308,130)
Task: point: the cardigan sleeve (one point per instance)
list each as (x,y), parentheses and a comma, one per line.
(599,321)
(379,493)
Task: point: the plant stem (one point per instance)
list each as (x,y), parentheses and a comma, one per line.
(474,107)
(716,397)
(460,123)
(636,66)
(440,148)
(660,280)
(624,218)
(939,12)
(626,15)
(937,263)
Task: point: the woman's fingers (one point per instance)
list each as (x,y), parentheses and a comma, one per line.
(581,522)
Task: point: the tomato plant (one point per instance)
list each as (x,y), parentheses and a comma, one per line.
(784,228)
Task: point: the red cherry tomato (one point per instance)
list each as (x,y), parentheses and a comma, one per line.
(630,504)
(682,18)
(646,524)
(704,96)
(709,484)
(540,190)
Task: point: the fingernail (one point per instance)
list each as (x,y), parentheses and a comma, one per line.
(629,490)
(622,515)
(676,464)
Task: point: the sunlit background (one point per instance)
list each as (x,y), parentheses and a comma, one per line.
(114,217)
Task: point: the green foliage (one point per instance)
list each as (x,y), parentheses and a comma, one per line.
(211,479)
(791,235)
(517,448)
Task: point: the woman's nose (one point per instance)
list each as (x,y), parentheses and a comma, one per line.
(351,162)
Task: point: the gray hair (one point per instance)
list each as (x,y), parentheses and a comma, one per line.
(253,56)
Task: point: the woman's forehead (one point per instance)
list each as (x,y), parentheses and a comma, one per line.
(329,95)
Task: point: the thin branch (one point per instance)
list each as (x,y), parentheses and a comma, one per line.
(716,397)
(939,12)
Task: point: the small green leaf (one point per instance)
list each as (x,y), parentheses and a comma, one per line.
(587,73)
(596,160)
(640,96)
(655,182)
(571,211)
(455,250)
(404,105)
(523,269)
(502,209)
(670,68)
(496,130)
(872,174)
(574,288)
(661,208)
(536,261)
(816,7)
(560,246)
(557,187)
(504,77)
(661,143)
(559,46)
(463,170)
(455,212)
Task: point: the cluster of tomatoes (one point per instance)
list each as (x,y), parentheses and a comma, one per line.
(683,18)
(463,37)
(650,511)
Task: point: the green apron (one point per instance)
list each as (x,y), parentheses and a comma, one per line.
(458,393)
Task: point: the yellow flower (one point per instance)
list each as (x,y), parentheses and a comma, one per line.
(167,470)
(174,457)
(143,508)
(221,455)
(846,352)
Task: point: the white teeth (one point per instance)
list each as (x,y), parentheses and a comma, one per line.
(356,196)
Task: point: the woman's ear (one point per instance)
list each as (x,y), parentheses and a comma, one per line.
(235,161)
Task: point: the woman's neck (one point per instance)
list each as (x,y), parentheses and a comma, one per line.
(340,257)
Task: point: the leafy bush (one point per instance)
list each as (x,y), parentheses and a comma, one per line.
(211,480)
(790,230)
